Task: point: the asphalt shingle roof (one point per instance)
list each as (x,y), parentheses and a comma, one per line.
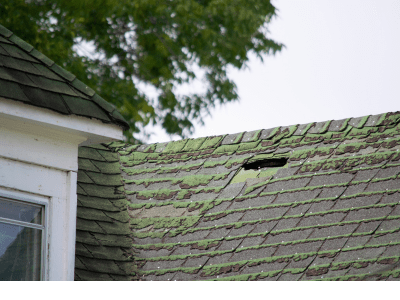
(28,76)
(103,242)
(332,212)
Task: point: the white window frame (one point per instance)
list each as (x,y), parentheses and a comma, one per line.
(17,196)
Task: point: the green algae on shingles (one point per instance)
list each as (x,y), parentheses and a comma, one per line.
(211,164)
(185,194)
(216,241)
(395,273)
(352,161)
(243,223)
(237,161)
(248,146)
(193,144)
(217,268)
(296,256)
(161,170)
(163,222)
(226,149)
(243,174)
(164,203)
(189,270)
(285,142)
(305,153)
(275,232)
(175,146)
(248,277)
(287,132)
(164,194)
(188,181)
(211,142)
(140,156)
(211,203)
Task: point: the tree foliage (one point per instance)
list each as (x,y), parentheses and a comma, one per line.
(147,43)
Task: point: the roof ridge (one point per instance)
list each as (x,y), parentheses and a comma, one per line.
(71,105)
(260,134)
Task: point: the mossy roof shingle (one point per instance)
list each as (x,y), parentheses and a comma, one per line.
(28,76)
(331,213)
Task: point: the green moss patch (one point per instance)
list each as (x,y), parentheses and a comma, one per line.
(165,222)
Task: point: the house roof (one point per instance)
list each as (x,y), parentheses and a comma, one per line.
(28,76)
(331,212)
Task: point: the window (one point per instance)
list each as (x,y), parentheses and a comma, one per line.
(22,238)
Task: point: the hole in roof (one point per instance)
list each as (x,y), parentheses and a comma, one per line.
(266,163)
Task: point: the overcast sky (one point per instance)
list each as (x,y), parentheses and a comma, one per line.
(342,59)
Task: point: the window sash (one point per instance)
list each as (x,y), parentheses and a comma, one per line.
(21,211)
(43,228)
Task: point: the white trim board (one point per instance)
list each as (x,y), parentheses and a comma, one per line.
(93,131)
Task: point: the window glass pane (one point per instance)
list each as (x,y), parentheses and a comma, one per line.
(20,211)
(20,252)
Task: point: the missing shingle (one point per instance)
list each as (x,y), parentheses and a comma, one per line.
(265,163)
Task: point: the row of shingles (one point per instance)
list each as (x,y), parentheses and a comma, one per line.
(29,76)
(103,238)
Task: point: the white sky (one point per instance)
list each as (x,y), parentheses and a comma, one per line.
(342,59)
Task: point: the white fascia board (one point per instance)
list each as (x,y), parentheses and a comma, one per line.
(92,130)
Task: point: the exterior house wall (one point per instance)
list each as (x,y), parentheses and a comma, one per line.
(39,161)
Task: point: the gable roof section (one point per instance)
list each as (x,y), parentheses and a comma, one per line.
(102,237)
(331,213)
(28,76)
